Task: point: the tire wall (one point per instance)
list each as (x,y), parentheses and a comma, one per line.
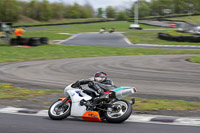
(32,41)
(169,37)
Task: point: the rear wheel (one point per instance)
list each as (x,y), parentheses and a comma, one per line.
(119,112)
(57,111)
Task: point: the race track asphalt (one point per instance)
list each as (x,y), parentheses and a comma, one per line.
(10,123)
(167,76)
(114,40)
(159,75)
(96,39)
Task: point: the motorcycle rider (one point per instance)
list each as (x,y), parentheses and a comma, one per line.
(100,83)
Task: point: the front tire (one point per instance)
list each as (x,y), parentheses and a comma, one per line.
(120,112)
(57,112)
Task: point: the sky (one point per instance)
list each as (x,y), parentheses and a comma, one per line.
(99,3)
(102,3)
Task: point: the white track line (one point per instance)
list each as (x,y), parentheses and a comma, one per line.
(68,38)
(127,41)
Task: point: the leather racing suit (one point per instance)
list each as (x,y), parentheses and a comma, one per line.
(98,87)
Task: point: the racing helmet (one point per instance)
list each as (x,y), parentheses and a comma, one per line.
(100,76)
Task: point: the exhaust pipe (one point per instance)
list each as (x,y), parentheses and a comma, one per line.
(132,101)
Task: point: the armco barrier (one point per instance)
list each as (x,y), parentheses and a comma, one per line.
(172,16)
(86,22)
(168,37)
(129,20)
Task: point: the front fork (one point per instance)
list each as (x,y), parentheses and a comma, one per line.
(64,100)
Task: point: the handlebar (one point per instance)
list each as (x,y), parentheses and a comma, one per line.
(80,87)
(78,84)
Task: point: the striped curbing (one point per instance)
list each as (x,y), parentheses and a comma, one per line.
(156,119)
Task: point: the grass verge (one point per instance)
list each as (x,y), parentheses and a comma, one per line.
(13,54)
(189,19)
(151,37)
(164,104)
(93,27)
(8,91)
(135,36)
(50,35)
(57,21)
(195,59)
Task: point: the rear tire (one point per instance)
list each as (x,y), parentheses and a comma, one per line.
(118,115)
(58,113)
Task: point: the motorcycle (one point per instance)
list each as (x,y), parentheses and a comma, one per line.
(78,104)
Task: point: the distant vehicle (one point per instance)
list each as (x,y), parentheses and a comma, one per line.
(135,26)
(112,30)
(102,30)
(197,30)
(173,25)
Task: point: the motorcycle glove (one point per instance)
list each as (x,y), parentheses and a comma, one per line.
(96,88)
(75,85)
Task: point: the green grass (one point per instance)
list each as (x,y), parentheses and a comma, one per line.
(53,21)
(50,35)
(195,59)
(135,36)
(164,104)
(94,27)
(12,54)
(8,91)
(189,19)
(151,37)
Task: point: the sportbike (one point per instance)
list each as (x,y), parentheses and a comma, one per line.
(110,107)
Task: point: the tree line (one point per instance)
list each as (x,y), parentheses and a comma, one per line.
(166,7)
(11,10)
(43,10)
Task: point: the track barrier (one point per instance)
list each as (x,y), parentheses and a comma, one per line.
(168,37)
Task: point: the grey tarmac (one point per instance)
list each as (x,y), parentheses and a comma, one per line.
(11,123)
(114,40)
(144,118)
(152,75)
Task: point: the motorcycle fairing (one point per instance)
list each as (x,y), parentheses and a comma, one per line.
(91,116)
(123,91)
(122,88)
(63,99)
(76,96)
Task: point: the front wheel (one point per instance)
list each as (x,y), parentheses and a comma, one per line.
(119,112)
(57,111)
